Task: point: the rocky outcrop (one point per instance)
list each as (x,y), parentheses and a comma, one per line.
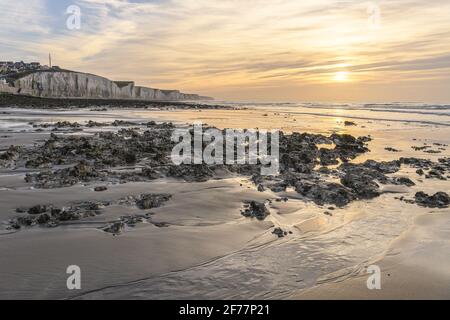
(69,84)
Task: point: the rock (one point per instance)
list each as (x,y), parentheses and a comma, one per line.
(149,201)
(55,212)
(161,224)
(150,173)
(328,157)
(404,181)
(348,145)
(415,162)
(279,232)
(325,193)
(190,173)
(363,185)
(37,209)
(115,228)
(367,172)
(100,188)
(13,225)
(324,170)
(26,221)
(383,166)
(278,187)
(52,224)
(132,220)
(52,216)
(68,216)
(122,123)
(256,210)
(349,123)
(43,218)
(438,200)
(129,157)
(435,174)
(420,172)
(91,124)
(8,159)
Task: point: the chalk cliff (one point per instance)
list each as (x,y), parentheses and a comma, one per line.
(69,84)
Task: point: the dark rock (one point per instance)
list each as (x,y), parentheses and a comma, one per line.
(278,187)
(438,200)
(384,166)
(150,173)
(328,157)
(132,220)
(149,201)
(55,212)
(68,216)
(363,185)
(198,172)
(129,157)
(9,158)
(404,181)
(100,188)
(161,224)
(435,174)
(115,228)
(279,232)
(43,218)
(325,193)
(26,221)
(256,210)
(37,209)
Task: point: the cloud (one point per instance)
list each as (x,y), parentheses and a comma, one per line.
(214,45)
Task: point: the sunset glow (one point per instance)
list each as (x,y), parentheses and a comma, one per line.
(341,76)
(246,50)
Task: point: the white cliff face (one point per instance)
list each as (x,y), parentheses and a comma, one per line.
(66,84)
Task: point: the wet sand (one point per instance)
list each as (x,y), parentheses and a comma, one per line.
(209,250)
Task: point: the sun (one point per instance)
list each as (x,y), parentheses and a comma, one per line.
(341,76)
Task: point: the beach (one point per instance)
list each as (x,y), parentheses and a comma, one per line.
(138,232)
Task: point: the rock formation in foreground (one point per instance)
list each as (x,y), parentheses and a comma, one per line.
(70,84)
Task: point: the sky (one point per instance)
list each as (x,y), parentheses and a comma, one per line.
(245,50)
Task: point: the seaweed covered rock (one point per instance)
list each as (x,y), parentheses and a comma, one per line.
(9,157)
(362,185)
(325,193)
(190,173)
(438,200)
(149,201)
(115,227)
(256,210)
